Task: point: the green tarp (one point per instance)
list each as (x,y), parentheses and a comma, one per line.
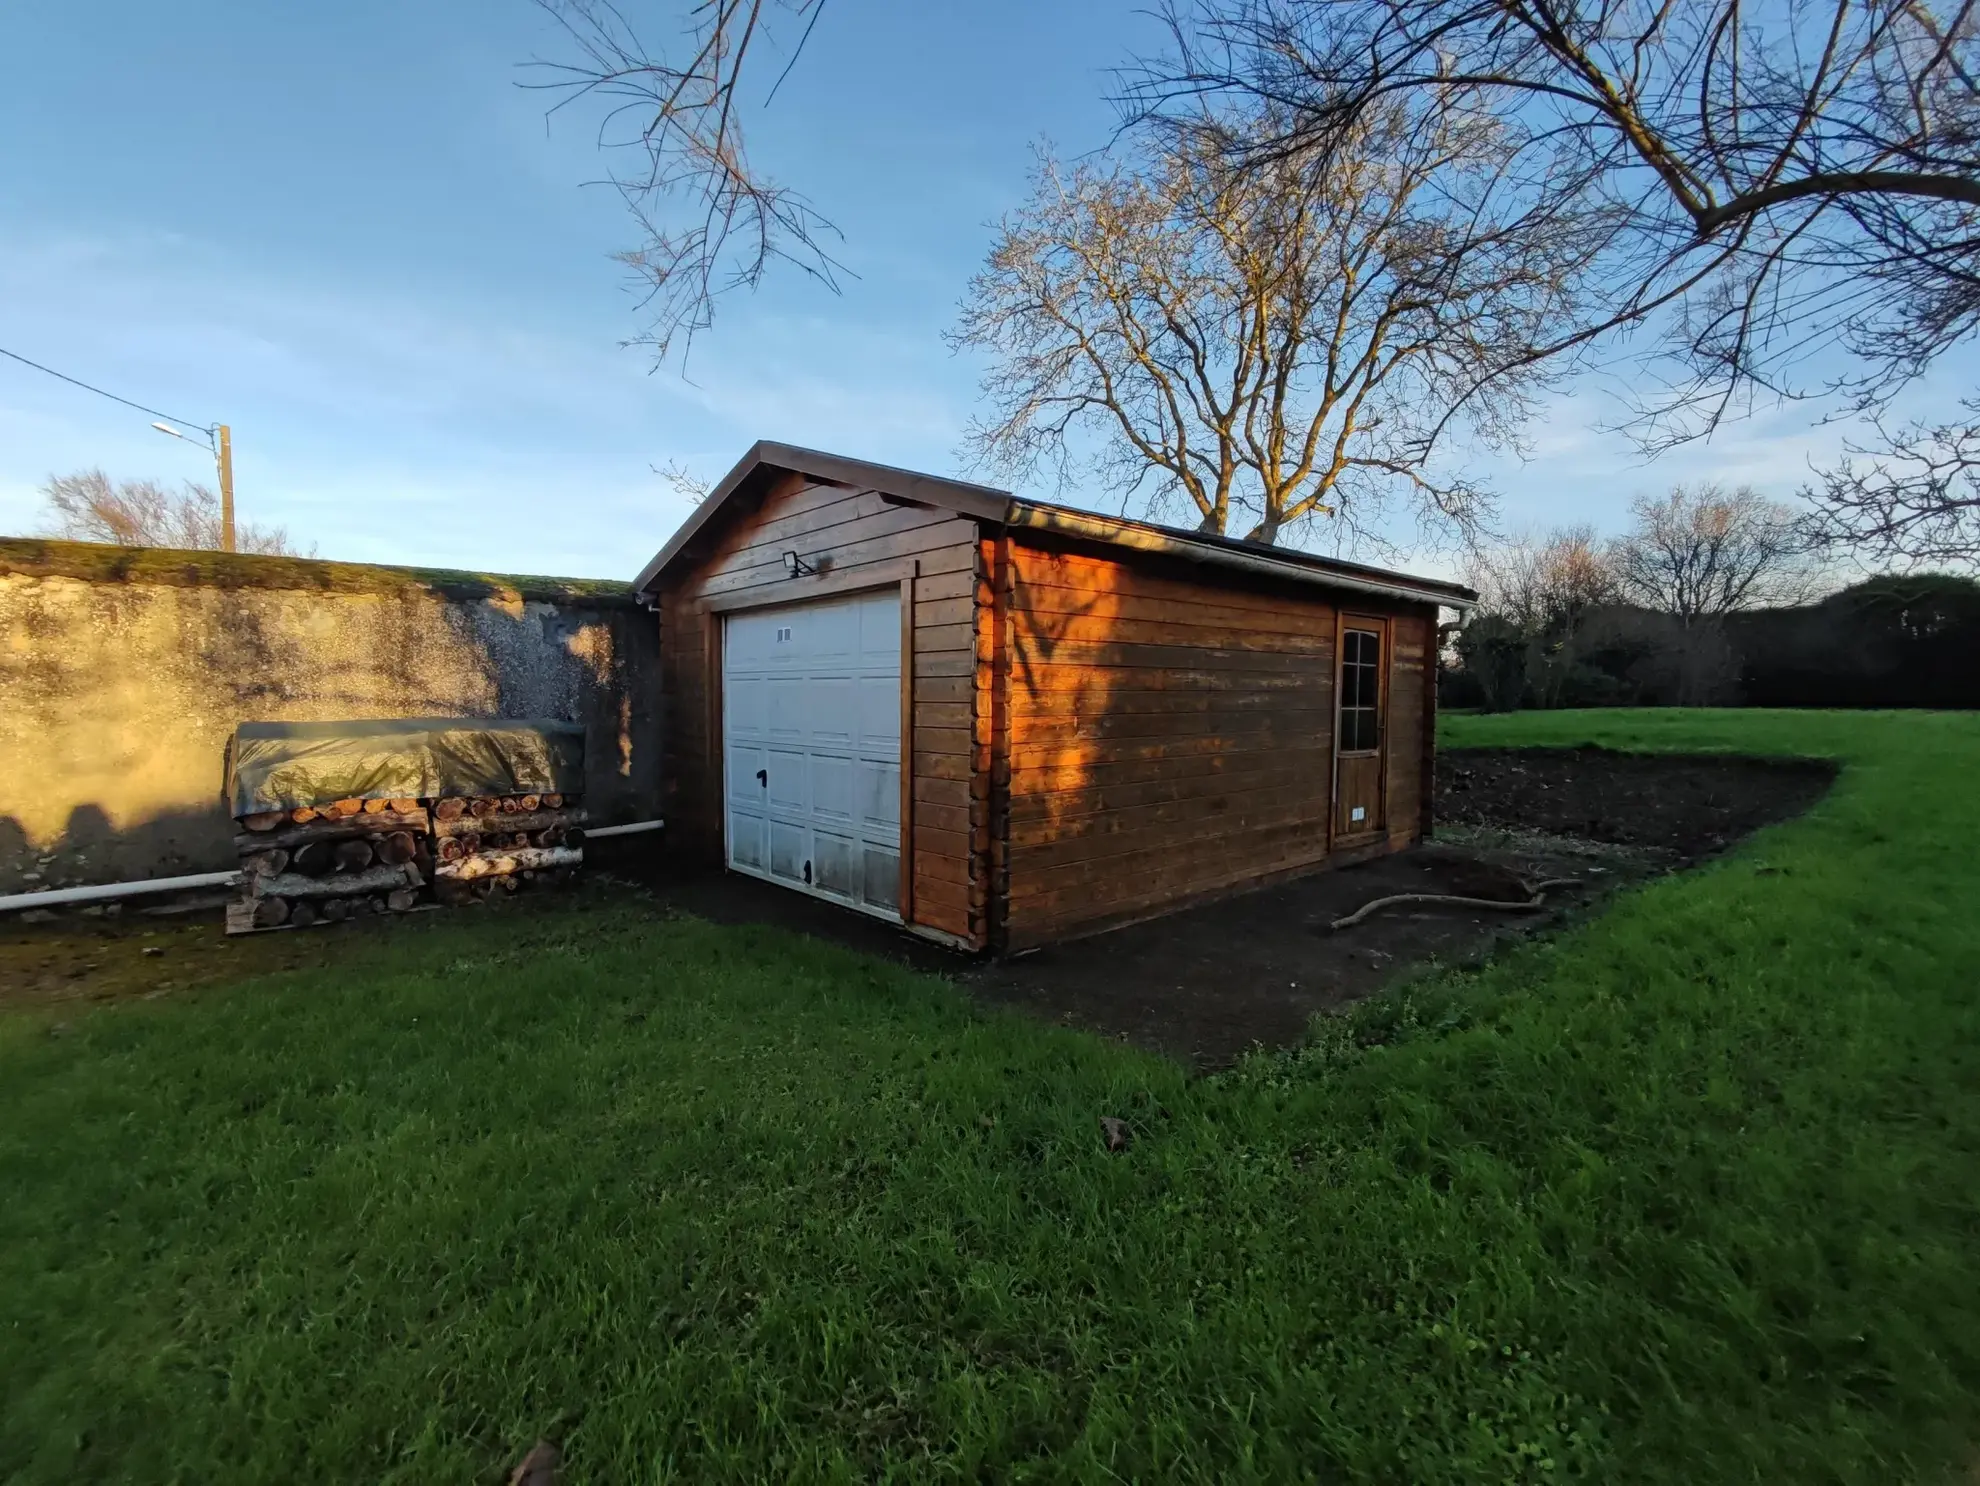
(283,765)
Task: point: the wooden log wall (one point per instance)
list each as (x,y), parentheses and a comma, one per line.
(326,863)
(847,533)
(1168,740)
(329,862)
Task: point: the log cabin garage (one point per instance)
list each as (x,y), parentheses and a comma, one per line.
(1001,723)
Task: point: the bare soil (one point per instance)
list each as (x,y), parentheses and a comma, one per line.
(1692,805)
(1209,983)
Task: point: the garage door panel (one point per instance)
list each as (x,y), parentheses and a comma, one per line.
(789,783)
(878,720)
(832,633)
(880,627)
(745,701)
(833,789)
(832,712)
(787,709)
(879,804)
(788,850)
(746,838)
(882,878)
(744,762)
(812,697)
(836,866)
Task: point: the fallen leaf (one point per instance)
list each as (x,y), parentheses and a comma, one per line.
(1116,1132)
(539,1467)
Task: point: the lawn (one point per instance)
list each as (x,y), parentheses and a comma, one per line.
(1689,1193)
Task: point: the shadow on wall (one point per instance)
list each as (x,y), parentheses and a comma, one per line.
(91,849)
(120,698)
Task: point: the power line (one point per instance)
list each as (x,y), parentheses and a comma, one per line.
(205,428)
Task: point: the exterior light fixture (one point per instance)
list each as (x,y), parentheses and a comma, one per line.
(796,566)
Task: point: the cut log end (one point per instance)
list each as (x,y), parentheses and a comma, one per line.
(302,815)
(270,912)
(353,856)
(400,900)
(263,820)
(397,848)
(452,808)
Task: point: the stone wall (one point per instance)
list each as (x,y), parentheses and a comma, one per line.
(123,672)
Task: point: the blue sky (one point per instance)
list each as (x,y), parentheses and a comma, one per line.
(347,232)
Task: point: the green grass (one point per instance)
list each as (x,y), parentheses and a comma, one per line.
(1691,1193)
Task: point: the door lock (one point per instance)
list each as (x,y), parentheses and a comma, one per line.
(763,777)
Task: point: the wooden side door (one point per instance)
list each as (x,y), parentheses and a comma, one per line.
(1361,714)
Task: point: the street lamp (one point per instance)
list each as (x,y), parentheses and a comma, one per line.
(219,443)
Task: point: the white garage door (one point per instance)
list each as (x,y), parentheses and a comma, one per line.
(811,729)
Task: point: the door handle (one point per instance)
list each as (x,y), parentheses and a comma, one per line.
(763,777)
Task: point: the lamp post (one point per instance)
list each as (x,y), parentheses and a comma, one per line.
(220,444)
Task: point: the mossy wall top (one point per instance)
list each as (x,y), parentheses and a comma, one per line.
(123,672)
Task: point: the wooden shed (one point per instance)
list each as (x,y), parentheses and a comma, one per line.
(1001,722)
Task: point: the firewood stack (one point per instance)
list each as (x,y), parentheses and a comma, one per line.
(430,814)
(487,845)
(325,863)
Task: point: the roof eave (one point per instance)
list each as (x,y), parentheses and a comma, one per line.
(1146,539)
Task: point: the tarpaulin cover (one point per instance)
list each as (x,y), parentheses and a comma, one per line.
(283,765)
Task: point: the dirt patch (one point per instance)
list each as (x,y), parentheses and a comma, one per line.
(1692,805)
(1209,983)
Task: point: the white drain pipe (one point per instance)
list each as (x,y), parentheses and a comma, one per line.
(634,829)
(110,892)
(104,892)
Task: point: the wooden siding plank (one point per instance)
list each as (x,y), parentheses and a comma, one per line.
(944,714)
(940,637)
(1052,676)
(847,524)
(1073,814)
(944,689)
(942,547)
(961,610)
(1315,623)
(1032,649)
(930,790)
(1085,572)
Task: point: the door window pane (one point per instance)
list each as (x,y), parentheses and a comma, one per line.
(1361,691)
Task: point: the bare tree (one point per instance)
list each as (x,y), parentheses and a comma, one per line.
(1914,498)
(1538,581)
(1535,592)
(91,507)
(1700,553)
(1767,180)
(1264,346)
(712,222)
(683,481)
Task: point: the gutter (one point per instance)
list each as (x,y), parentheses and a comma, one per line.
(1134,534)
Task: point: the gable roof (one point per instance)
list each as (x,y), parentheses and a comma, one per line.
(766,460)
